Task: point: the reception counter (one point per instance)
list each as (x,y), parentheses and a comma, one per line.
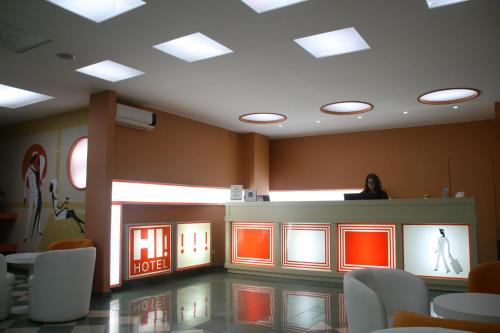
(432,238)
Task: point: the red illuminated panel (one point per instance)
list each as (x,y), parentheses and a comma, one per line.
(366,245)
(149,250)
(253,305)
(306,246)
(306,311)
(252,244)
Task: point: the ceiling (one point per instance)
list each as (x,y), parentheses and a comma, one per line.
(413,50)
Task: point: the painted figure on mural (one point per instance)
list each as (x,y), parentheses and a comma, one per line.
(32,193)
(440,250)
(62,211)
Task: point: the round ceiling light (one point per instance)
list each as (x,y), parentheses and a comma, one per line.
(448,96)
(346,108)
(263,118)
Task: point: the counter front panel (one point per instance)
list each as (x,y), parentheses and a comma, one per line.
(433,238)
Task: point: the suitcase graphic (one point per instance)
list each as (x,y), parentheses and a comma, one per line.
(457,268)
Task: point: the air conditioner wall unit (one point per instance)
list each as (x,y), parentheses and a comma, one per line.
(135,118)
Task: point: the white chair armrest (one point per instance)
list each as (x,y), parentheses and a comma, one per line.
(10,279)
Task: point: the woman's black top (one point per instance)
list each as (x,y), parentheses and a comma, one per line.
(367,195)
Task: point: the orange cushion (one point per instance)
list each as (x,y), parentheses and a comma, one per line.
(484,278)
(66,244)
(410,319)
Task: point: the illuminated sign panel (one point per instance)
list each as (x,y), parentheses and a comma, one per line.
(438,251)
(306,246)
(149,250)
(306,311)
(253,305)
(366,245)
(252,244)
(194,245)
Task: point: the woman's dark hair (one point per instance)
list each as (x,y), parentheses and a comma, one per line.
(378,184)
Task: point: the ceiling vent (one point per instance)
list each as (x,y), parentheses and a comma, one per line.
(20,41)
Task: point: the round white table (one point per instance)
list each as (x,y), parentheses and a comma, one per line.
(23,259)
(469,306)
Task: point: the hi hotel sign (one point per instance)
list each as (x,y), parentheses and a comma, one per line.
(149,250)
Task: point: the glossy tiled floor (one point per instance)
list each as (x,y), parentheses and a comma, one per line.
(213,301)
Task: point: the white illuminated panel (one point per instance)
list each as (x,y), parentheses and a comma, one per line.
(115,246)
(262,6)
(134,192)
(13,98)
(306,311)
(194,245)
(313,195)
(193,305)
(333,43)
(306,246)
(428,253)
(77,163)
(440,3)
(98,10)
(110,71)
(193,47)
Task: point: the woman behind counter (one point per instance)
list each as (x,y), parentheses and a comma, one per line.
(373,188)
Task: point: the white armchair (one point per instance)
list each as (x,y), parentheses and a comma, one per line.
(61,285)
(372,296)
(6,285)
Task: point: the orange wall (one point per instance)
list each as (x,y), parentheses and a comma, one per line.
(179,151)
(254,166)
(411,162)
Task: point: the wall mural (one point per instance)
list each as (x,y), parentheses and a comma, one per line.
(63,211)
(34,170)
(37,187)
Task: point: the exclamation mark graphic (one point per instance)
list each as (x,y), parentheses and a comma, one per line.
(194,242)
(206,241)
(182,243)
(165,246)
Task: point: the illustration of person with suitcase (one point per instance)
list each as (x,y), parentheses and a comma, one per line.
(443,242)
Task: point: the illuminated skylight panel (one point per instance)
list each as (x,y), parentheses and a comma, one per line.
(439,3)
(313,195)
(347,108)
(110,71)
(98,10)
(449,96)
(14,98)
(262,118)
(262,6)
(132,192)
(333,43)
(193,47)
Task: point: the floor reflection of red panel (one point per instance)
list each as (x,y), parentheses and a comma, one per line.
(342,312)
(365,245)
(252,244)
(151,310)
(253,305)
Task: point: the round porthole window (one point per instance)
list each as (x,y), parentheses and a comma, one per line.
(77,163)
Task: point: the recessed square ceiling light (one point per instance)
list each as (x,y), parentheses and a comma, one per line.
(261,6)
(193,47)
(13,98)
(333,43)
(110,71)
(98,10)
(440,3)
